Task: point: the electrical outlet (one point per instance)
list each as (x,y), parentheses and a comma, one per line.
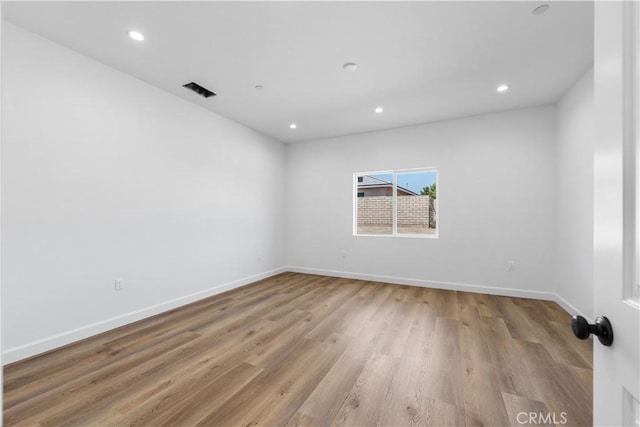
(119,284)
(511,265)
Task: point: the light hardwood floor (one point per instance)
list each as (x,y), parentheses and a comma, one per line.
(299,349)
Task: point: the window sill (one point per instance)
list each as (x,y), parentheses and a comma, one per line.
(402,236)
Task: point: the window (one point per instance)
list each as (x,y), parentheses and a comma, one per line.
(396,203)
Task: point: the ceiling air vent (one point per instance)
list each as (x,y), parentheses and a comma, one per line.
(199,89)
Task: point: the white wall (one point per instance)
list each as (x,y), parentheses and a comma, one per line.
(104,176)
(574,196)
(495,195)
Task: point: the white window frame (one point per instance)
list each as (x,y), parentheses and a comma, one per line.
(394,173)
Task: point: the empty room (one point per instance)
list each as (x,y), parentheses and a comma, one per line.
(320,213)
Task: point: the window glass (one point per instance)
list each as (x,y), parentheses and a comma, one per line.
(398,203)
(374,209)
(417,202)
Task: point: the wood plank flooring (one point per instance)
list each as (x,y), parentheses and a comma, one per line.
(305,350)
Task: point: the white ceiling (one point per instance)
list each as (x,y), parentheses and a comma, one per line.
(421,61)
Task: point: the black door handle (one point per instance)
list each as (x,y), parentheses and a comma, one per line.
(602,329)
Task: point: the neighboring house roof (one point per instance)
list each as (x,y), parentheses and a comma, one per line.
(368,181)
(373,182)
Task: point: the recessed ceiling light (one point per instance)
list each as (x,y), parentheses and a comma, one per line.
(503,88)
(379,109)
(350,66)
(540,9)
(293,126)
(137,36)
(259,87)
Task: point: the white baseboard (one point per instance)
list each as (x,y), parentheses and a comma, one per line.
(465,287)
(68,337)
(570,308)
(36,347)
